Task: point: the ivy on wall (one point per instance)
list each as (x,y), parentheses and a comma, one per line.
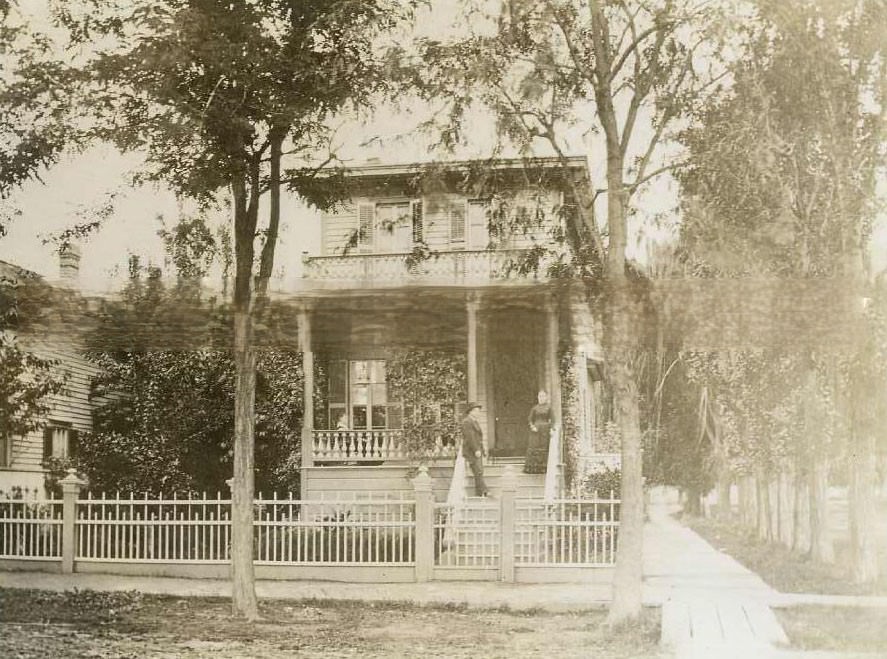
(431,385)
(571,414)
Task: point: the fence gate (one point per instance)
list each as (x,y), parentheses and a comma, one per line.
(467,540)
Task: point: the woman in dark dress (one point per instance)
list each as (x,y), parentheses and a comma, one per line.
(541,421)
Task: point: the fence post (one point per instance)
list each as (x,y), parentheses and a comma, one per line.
(71,485)
(424,525)
(507,515)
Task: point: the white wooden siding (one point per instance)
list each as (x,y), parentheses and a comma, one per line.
(339,226)
(71,405)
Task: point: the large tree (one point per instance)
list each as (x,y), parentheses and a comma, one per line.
(627,72)
(217,93)
(781,184)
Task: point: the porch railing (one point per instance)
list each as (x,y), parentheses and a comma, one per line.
(361,446)
(455,499)
(357,445)
(553,465)
(453,266)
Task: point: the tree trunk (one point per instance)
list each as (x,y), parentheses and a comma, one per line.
(785,483)
(244,601)
(693,503)
(801,512)
(821,546)
(725,510)
(627,595)
(863,477)
(763,506)
(242,492)
(746,501)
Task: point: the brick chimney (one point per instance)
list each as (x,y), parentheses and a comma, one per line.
(69,264)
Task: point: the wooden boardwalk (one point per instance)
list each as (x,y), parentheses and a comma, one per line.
(711,605)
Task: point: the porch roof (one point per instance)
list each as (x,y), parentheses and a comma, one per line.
(426,318)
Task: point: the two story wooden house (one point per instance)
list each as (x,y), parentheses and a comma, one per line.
(24,460)
(442,260)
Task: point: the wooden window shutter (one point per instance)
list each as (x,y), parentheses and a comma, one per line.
(395,415)
(365,222)
(73,443)
(418,221)
(47,442)
(457,223)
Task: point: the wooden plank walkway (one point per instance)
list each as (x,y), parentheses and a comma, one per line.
(711,605)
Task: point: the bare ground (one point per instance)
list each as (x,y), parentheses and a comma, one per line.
(91,624)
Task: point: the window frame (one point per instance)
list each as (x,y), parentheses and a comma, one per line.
(71,438)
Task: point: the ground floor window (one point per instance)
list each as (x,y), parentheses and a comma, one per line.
(358,396)
(59,441)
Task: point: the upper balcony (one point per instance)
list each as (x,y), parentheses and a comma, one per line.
(449,268)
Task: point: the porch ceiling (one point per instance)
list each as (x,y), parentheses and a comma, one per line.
(426,319)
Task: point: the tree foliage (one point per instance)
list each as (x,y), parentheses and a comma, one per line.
(215,92)
(164,418)
(37,90)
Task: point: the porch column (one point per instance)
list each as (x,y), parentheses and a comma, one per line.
(472,305)
(304,320)
(552,371)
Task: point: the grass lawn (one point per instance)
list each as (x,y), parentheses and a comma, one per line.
(786,571)
(844,628)
(92,624)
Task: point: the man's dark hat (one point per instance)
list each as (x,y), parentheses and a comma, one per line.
(471,406)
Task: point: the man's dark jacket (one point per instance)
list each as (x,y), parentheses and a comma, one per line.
(472,436)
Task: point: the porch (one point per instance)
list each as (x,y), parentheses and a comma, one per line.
(503,344)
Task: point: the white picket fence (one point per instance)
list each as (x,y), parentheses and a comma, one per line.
(567,532)
(350,530)
(162,529)
(31,529)
(353,531)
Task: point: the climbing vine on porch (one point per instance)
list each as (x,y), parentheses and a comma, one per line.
(570,410)
(431,385)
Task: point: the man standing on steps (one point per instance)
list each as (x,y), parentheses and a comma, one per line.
(473,447)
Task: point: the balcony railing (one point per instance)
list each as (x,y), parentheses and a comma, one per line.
(449,267)
(364,446)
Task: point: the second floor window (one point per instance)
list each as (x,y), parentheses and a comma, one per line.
(469,224)
(386,227)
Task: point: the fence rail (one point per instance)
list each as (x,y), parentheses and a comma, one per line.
(567,532)
(356,531)
(467,534)
(146,529)
(473,536)
(31,529)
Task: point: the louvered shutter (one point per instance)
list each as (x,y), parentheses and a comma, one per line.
(395,415)
(457,224)
(47,442)
(73,443)
(418,221)
(478,231)
(365,223)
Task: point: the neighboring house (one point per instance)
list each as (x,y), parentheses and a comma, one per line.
(24,460)
(417,261)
